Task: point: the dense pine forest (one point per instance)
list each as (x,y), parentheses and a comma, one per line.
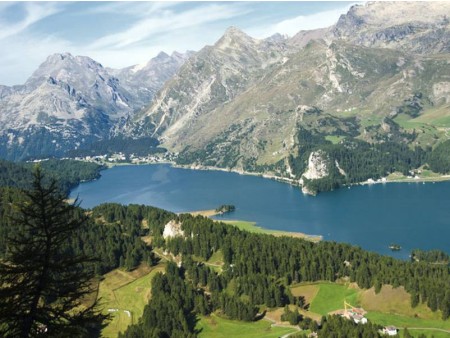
(67,173)
(361,160)
(257,272)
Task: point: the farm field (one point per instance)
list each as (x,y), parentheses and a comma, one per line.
(217,327)
(391,306)
(130,291)
(123,291)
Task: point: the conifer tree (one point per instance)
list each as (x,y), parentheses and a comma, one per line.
(42,282)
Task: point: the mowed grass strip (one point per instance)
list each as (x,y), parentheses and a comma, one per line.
(214,326)
(125,291)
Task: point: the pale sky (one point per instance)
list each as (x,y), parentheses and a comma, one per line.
(121,34)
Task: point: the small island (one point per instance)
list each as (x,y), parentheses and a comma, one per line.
(224,208)
(395,247)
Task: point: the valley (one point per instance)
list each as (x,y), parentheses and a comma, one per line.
(282,175)
(254,105)
(412,214)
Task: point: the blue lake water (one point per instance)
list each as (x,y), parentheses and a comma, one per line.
(414,215)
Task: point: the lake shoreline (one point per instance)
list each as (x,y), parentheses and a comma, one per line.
(252,227)
(292,182)
(355,217)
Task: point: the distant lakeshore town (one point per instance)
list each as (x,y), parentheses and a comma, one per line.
(119,158)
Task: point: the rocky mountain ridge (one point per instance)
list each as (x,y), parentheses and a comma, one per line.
(71,100)
(239,103)
(380,74)
(215,99)
(419,27)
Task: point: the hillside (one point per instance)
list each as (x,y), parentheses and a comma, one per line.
(241,103)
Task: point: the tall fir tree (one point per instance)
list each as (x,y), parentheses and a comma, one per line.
(42,281)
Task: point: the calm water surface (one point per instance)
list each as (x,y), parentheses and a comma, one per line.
(414,215)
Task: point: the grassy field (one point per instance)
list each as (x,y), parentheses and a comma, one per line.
(130,291)
(331,298)
(217,327)
(309,291)
(125,291)
(252,227)
(439,117)
(409,322)
(427,333)
(398,304)
(425,176)
(334,138)
(389,307)
(428,130)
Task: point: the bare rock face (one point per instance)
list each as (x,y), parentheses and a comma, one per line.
(211,78)
(143,81)
(172,229)
(317,166)
(418,26)
(70,101)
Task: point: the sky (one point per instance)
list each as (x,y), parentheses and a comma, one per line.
(121,34)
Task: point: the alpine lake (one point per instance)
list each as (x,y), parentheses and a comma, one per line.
(412,215)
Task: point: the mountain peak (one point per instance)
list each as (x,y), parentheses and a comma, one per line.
(162,55)
(234,37)
(277,37)
(396,25)
(58,57)
(233,31)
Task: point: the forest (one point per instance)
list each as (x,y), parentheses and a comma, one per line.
(361,160)
(257,272)
(68,173)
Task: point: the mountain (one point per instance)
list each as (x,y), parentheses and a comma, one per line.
(419,27)
(72,101)
(69,100)
(278,105)
(241,103)
(210,79)
(144,80)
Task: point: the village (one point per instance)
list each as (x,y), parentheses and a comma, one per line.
(122,158)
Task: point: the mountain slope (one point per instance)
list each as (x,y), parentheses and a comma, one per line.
(420,27)
(213,76)
(241,102)
(143,81)
(69,100)
(73,101)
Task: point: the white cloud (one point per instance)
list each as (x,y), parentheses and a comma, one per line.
(138,9)
(302,22)
(18,63)
(153,27)
(164,20)
(34,12)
